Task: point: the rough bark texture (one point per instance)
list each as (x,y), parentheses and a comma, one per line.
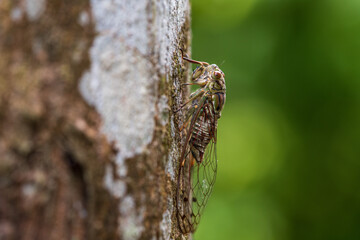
(89,143)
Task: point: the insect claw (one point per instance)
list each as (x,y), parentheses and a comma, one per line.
(182,53)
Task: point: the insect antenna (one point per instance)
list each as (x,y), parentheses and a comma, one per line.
(222,63)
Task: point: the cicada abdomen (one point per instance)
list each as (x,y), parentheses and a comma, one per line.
(198,162)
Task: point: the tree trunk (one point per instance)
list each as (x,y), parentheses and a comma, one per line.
(89,143)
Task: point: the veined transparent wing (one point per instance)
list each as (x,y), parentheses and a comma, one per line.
(197,174)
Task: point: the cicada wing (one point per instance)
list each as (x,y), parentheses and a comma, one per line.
(203,180)
(195,184)
(198,167)
(196,179)
(184,191)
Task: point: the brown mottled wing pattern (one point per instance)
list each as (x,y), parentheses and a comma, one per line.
(196,178)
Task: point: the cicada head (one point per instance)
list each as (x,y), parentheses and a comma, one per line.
(217,79)
(218,88)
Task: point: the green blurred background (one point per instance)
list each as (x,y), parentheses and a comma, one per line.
(289,136)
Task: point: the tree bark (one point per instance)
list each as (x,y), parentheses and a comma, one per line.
(89,144)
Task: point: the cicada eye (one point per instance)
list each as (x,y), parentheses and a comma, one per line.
(217,75)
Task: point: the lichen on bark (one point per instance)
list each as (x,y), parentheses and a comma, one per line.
(133,82)
(89,141)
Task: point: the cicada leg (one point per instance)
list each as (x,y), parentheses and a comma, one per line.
(191,60)
(189,114)
(185,124)
(197,94)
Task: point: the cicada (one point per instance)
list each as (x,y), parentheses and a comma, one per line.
(198,161)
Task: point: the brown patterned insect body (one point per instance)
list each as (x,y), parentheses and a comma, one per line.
(202,134)
(198,162)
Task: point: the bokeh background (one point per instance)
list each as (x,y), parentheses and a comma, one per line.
(289,136)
